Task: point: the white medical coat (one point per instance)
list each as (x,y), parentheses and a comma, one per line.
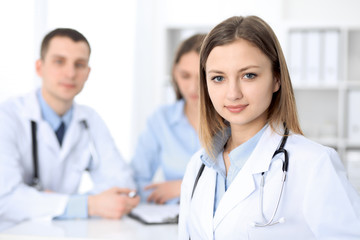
(318,202)
(60,168)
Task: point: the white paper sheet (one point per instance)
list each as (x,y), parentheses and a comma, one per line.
(156,214)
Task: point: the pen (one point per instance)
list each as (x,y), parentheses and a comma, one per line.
(132,194)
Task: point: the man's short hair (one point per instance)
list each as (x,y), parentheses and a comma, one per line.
(62,32)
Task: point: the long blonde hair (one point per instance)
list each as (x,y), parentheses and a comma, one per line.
(282,108)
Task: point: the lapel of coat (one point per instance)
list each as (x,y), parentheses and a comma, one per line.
(45,135)
(243,185)
(202,203)
(74,132)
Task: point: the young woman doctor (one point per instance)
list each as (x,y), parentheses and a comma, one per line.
(262,179)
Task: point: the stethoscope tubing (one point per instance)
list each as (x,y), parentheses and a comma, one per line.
(285,165)
(271,221)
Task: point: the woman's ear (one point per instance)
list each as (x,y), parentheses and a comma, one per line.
(276,84)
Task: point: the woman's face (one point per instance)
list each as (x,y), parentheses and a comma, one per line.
(240,83)
(186,74)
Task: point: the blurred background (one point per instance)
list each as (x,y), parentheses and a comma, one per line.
(133,43)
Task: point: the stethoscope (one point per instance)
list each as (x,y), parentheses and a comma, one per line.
(285,164)
(36,180)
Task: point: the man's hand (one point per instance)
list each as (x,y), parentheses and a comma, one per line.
(163,192)
(112,204)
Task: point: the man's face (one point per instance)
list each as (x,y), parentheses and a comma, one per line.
(64,70)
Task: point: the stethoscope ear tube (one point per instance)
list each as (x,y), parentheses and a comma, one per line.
(93,152)
(286,162)
(84,123)
(197,179)
(35,181)
(281,149)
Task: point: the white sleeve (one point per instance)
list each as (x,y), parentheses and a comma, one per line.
(331,205)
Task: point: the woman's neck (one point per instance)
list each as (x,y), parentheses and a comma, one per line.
(241,134)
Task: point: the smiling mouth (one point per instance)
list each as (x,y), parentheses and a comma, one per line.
(236,109)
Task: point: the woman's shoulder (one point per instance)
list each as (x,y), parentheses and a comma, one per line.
(192,169)
(171,108)
(195,161)
(304,142)
(168,112)
(310,149)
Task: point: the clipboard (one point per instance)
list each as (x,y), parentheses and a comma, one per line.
(153,214)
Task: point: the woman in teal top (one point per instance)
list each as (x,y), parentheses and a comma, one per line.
(171,135)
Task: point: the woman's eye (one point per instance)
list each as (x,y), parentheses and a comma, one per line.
(249,75)
(217,79)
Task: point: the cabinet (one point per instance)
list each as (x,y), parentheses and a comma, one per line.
(324,64)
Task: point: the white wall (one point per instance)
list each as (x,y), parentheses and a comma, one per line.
(108,25)
(333,11)
(110,28)
(122,33)
(17,65)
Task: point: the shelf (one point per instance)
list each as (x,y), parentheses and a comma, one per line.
(333,142)
(353,144)
(323,61)
(353,54)
(318,87)
(327,141)
(353,84)
(341,85)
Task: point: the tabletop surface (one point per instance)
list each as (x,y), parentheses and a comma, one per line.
(126,228)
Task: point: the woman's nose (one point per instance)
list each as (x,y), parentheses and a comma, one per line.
(234,90)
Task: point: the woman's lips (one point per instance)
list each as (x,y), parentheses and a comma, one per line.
(236,108)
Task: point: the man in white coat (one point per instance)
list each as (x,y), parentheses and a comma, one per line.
(47,141)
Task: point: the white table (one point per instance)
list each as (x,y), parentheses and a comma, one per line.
(126,228)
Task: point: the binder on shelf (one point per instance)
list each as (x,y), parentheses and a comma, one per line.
(296,57)
(331,57)
(312,57)
(151,214)
(354,116)
(353,55)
